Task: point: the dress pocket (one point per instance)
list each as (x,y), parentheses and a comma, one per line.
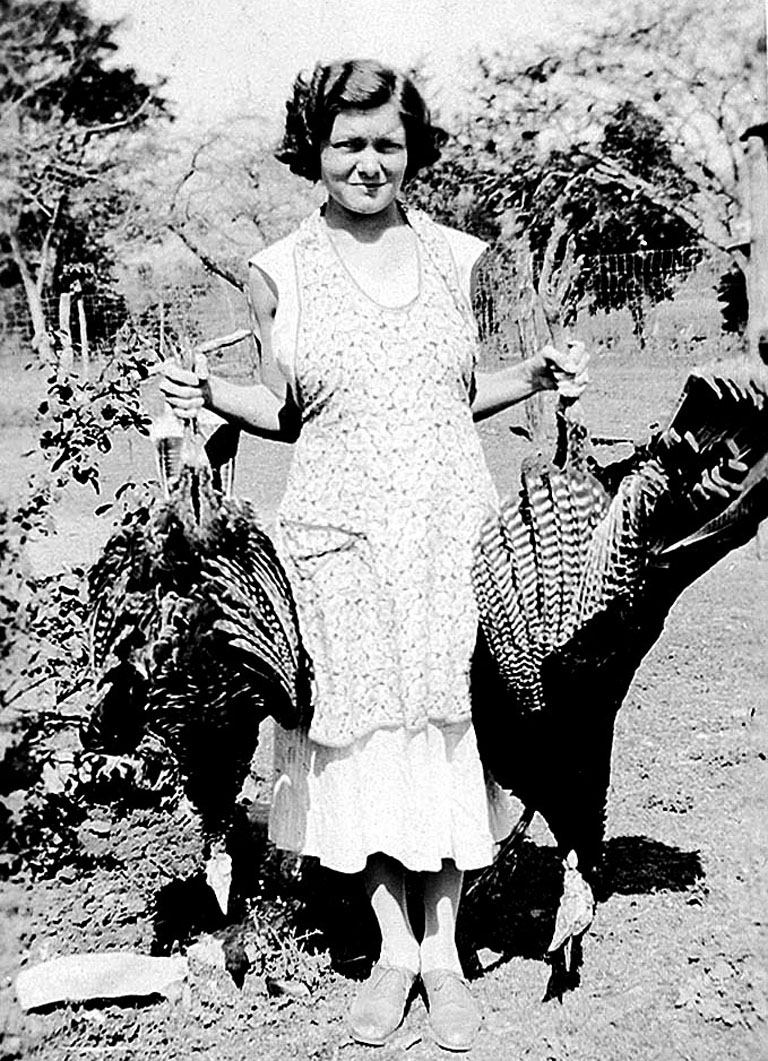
(347,623)
(309,544)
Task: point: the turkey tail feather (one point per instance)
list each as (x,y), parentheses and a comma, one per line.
(563,551)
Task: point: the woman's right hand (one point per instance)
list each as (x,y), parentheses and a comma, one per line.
(186,391)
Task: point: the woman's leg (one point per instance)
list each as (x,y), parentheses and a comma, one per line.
(442,892)
(454,1015)
(385,885)
(379,1005)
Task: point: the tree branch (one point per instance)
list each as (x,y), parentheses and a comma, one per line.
(110,127)
(608,168)
(16,103)
(48,242)
(191,169)
(207,261)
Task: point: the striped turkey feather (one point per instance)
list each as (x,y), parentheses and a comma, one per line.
(194,637)
(553,666)
(528,560)
(563,551)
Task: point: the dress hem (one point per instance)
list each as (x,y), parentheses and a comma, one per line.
(461,865)
(390,727)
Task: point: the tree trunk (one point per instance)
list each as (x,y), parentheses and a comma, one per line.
(41,338)
(757,269)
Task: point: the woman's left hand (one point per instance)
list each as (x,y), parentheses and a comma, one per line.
(562,370)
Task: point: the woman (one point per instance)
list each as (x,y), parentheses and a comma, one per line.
(370,366)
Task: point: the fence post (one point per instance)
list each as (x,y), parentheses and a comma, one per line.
(756,138)
(757,268)
(66,354)
(82,326)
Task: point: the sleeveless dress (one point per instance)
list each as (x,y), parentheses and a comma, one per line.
(386,493)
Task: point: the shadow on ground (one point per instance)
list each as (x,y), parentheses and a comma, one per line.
(514,915)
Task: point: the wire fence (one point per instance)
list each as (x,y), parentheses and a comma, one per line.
(655,299)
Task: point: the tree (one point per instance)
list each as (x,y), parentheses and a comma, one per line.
(608,217)
(629,134)
(66,113)
(693,66)
(232,196)
(200,206)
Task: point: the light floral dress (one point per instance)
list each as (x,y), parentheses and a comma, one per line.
(386,493)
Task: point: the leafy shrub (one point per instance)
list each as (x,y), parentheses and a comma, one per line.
(44,777)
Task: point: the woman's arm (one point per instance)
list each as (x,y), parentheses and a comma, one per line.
(262,303)
(267,408)
(550,369)
(255,409)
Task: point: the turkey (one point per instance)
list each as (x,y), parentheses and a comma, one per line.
(194,636)
(574,580)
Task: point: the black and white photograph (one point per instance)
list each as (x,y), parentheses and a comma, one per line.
(383,530)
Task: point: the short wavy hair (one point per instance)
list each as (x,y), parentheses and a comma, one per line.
(353,84)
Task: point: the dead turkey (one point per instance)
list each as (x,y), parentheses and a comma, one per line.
(195,638)
(574,580)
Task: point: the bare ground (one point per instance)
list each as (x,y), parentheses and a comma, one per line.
(676,963)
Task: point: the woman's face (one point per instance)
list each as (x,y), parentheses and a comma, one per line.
(363,162)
